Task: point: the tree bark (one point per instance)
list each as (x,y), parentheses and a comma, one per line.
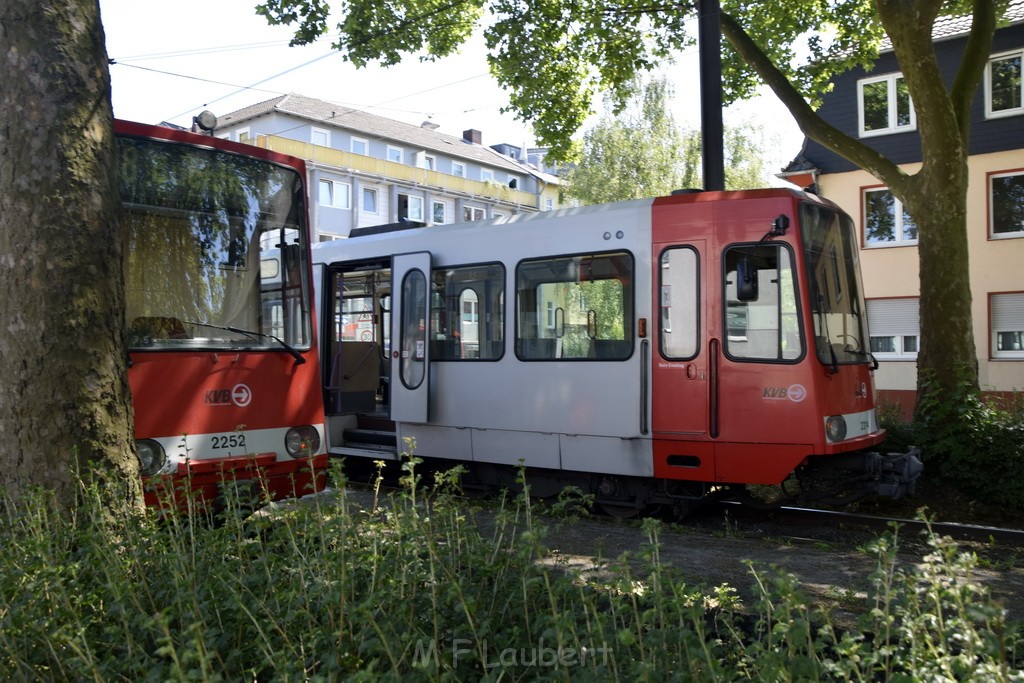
(64,397)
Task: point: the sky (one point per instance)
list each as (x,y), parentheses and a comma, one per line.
(171,61)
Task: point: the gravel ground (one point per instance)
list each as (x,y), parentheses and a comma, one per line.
(831,565)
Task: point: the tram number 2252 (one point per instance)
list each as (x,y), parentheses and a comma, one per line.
(228,441)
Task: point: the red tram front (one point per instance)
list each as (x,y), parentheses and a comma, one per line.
(223,362)
(762,364)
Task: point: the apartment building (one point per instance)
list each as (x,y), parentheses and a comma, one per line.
(367,170)
(874,106)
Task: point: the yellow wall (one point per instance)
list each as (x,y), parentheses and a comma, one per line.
(996,266)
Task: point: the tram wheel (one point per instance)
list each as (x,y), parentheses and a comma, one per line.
(620,510)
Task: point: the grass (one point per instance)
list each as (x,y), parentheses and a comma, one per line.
(416,590)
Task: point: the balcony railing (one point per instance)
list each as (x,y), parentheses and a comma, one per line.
(391,170)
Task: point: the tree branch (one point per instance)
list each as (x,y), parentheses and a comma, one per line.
(812,125)
(972,65)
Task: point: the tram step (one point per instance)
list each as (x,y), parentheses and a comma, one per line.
(377,452)
(370,438)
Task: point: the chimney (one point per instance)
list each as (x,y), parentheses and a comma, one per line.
(473,136)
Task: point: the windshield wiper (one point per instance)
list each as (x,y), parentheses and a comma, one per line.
(864,354)
(299,360)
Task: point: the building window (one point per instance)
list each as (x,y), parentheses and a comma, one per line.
(486,175)
(360,146)
(1004,86)
(335,194)
(1006,202)
(1006,318)
(395,154)
(439,213)
(320,136)
(458,169)
(549,204)
(886,223)
(369,200)
(895,328)
(884,105)
(429,162)
(243,135)
(410,207)
(473,213)
(328,237)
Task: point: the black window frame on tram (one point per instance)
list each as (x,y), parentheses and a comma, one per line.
(668,296)
(183,325)
(797,308)
(443,342)
(529,349)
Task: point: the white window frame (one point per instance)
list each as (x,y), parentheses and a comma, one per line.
(1006,315)
(458,169)
(323,132)
(429,162)
(396,154)
(346,194)
(1016,111)
(433,212)
(473,213)
(890,79)
(898,227)
(360,141)
(992,206)
(898,319)
(243,134)
(370,191)
(486,175)
(414,206)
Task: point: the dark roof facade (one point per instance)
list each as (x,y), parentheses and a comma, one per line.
(840,107)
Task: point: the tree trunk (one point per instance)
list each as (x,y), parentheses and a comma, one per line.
(64,397)
(947,361)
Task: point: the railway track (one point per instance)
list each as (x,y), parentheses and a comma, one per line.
(807,520)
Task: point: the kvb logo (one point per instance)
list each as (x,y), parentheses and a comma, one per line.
(239,395)
(794,393)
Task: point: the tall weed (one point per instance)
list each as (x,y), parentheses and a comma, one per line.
(422,588)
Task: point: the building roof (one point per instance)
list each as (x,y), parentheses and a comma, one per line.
(953,26)
(339,116)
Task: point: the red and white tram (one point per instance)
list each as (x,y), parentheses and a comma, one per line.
(223,361)
(648,351)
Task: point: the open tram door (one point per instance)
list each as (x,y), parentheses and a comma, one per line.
(410,347)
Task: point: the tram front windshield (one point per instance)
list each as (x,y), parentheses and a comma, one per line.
(839,322)
(214,249)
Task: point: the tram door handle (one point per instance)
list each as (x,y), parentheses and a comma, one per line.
(691,371)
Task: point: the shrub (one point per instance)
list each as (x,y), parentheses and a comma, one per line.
(977,446)
(421,589)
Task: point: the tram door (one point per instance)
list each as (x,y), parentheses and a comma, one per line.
(410,347)
(680,368)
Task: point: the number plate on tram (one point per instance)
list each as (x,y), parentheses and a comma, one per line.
(227,441)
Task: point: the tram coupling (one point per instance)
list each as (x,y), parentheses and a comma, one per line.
(887,475)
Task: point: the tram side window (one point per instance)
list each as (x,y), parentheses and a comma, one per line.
(467,317)
(575,308)
(760,315)
(679,295)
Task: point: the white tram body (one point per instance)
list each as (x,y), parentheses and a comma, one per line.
(651,349)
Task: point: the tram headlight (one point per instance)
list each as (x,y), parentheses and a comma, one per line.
(835,428)
(151,456)
(302,441)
